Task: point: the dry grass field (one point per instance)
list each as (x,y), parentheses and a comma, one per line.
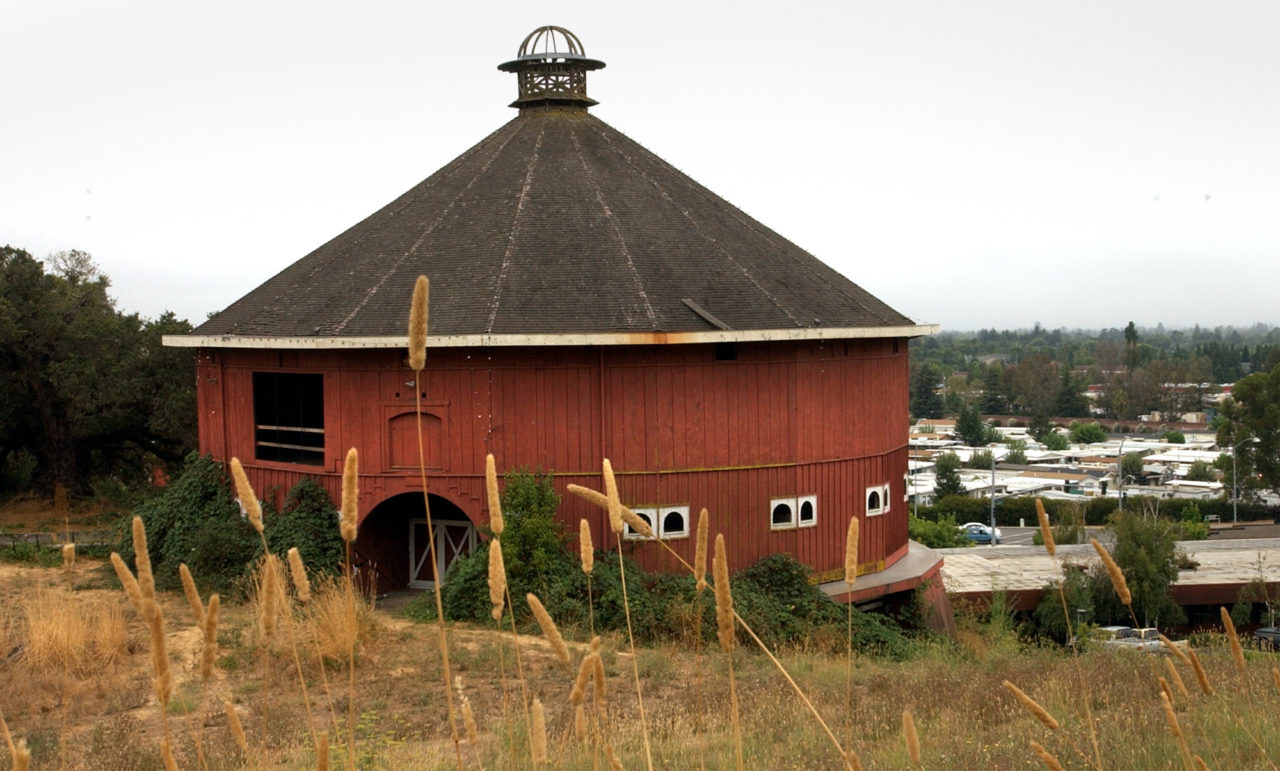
(76,673)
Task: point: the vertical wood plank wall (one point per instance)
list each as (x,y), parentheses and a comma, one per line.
(825,418)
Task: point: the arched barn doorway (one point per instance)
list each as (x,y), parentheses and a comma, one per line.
(393,541)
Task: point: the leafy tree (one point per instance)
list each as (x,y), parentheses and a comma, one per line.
(1253,412)
(947,472)
(1174,437)
(942,534)
(1131,464)
(1201,471)
(1068,401)
(1017,452)
(84,389)
(1087,433)
(970,429)
(980,459)
(1055,442)
(1040,427)
(925,401)
(1146,551)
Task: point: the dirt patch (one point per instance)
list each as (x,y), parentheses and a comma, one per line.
(29,514)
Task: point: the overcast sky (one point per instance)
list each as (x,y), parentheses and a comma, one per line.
(973,164)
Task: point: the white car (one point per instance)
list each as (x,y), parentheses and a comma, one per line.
(979,533)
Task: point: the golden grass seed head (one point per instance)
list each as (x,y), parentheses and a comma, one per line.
(1275,678)
(469,720)
(1046,757)
(851,552)
(1046,532)
(269,607)
(497,579)
(1169,715)
(496,523)
(298,572)
(142,560)
(1118,583)
(700,550)
(193,594)
(580,723)
(614,763)
(579,692)
(724,596)
(163,680)
(1032,706)
(237,730)
(209,651)
(538,733)
(1237,654)
(322,751)
(910,737)
(1165,688)
(1200,764)
(68,556)
(248,499)
(635,522)
(586,549)
(418,325)
(549,629)
(611,493)
(350,495)
(597,678)
(1201,677)
(127,581)
(21,756)
(1176,678)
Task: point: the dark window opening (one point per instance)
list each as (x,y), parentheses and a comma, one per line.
(288,417)
(782,514)
(726,351)
(873,501)
(673,523)
(806,511)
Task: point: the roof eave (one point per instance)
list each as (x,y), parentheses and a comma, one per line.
(538,340)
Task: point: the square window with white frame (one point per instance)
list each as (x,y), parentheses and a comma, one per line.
(649,515)
(876,503)
(807,511)
(782,513)
(673,522)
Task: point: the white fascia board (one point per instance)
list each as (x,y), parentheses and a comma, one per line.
(608,338)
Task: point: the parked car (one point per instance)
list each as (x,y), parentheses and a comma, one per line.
(1268,638)
(979,533)
(1145,639)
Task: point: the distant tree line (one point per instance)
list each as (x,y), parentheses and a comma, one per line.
(1039,372)
(89,398)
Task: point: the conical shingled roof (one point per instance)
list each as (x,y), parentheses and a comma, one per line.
(556,225)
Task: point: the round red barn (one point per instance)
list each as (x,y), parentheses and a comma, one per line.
(588,300)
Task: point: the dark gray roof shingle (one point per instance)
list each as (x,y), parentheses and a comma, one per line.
(554,224)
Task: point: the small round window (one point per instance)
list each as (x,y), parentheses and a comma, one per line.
(806,511)
(873,500)
(781,514)
(673,523)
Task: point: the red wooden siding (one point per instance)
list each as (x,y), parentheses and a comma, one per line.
(783,419)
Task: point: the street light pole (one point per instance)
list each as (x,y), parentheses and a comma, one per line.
(1120,474)
(993,497)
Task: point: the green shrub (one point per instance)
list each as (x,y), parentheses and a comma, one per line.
(309,522)
(197,520)
(942,534)
(30,553)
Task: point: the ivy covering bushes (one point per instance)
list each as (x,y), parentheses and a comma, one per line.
(774,595)
(197,520)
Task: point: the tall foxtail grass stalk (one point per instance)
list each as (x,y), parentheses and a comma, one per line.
(1176,730)
(616,525)
(418,362)
(1118,583)
(348,518)
(496,523)
(587,556)
(593,496)
(1237,654)
(850,577)
(724,631)
(910,737)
